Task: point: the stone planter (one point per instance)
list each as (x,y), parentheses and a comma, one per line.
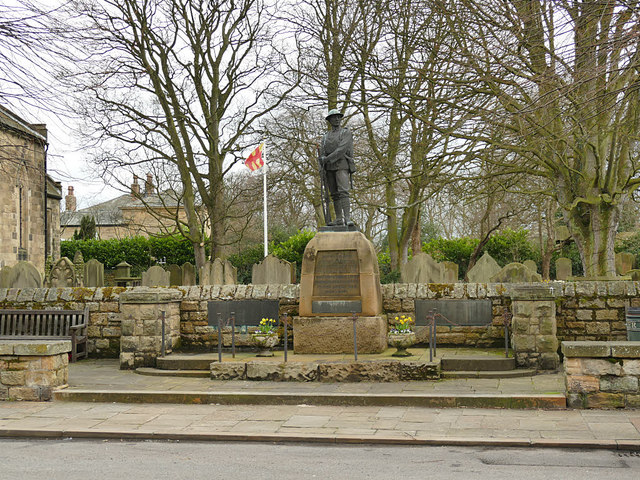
(402,341)
(265,342)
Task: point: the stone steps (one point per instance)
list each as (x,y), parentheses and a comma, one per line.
(477,364)
(156,372)
(187,361)
(488,374)
(433,400)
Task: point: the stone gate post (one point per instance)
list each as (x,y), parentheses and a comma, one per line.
(534,339)
(141,312)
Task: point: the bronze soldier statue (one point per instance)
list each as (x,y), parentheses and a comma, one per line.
(337,166)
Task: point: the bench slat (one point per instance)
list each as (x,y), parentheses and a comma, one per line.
(49,324)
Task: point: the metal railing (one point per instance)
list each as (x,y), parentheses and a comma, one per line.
(431,322)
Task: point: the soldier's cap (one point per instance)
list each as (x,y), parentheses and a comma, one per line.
(333,112)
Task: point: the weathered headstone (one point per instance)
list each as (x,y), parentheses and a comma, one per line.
(156,276)
(624,262)
(449,272)
(63,274)
(188,274)
(634,274)
(5,277)
(175,274)
(483,270)
(531,265)
(562,233)
(217,272)
(78,269)
(516,273)
(93,273)
(230,275)
(422,268)
(563,268)
(273,270)
(25,275)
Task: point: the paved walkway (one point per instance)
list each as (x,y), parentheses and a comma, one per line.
(331,424)
(307,423)
(104,375)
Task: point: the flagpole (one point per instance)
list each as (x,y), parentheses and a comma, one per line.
(264,189)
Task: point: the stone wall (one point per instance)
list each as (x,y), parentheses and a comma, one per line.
(30,370)
(584,310)
(602,374)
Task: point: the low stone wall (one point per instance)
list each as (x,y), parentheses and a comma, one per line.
(363,371)
(584,310)
(31,369)
(602,374)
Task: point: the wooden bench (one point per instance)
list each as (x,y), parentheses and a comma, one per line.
(47,324)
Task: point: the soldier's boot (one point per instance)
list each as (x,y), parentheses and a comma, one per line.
(337,206)
(346,208)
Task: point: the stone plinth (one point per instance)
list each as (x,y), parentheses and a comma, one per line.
(335,334)
(340,278)
(602,374)
(31,369)
(340,275)
(534,331)
(141,312)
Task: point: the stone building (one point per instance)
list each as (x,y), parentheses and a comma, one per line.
(139,212)
(29,198)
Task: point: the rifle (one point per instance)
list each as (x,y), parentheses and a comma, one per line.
(324,191)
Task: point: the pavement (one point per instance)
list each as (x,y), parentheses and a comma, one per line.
(302,419)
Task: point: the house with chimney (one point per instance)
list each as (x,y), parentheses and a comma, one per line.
(29,197)
(142,212)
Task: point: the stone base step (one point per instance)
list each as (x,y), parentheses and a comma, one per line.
(520,372)
(547,401)
(156,372)
(477,364)
(200,361)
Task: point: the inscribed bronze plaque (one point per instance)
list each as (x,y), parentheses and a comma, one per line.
(337,274)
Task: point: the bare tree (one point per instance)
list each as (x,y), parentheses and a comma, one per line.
(555,90)
(181,83)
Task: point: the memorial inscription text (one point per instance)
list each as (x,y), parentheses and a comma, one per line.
(337,274)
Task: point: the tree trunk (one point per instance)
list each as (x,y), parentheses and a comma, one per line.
(593,226)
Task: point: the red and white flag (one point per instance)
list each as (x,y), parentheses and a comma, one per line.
(254,161)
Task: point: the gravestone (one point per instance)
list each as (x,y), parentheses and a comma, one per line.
(230,273)
(449,272)
(562,233)
(5,277)
(217,272)
(340,278)
(624,262)
(93,273)
(483,270)
(188,274)
(563,268)
(531,265)
(634,274)
(63,274)
(78,269)
(25,275)
(516,273)
(156,276)
(273,270)
(175,274)
(422,268)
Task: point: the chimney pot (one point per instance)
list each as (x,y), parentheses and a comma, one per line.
(70,200)
(148,185)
